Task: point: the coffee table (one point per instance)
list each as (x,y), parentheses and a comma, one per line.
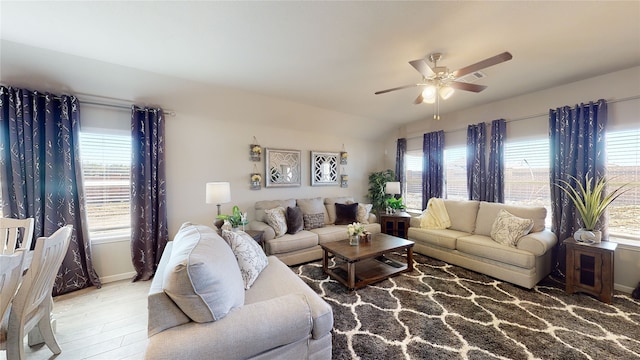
(365,263)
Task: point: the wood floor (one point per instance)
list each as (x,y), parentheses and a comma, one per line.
(107,323)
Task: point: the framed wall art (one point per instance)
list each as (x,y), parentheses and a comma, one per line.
(324,168)
(282,168)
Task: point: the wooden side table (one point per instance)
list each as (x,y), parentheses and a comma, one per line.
(396,225)
(590,268)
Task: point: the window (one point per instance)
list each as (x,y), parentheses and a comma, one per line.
(623,166)
(455,173)
(106,167)
(413,178)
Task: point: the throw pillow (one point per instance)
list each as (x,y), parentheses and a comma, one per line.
(295,223)
(313,221)
(250,256)
(277,219)
(203,277)
(346,214)
(507,229)
(313,206)
(363,213)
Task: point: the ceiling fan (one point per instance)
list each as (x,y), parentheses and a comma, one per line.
(438,80)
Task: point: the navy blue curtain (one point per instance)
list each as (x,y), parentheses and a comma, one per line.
(432,166)
(476,163)
(149,232)
(495,171)
(401,151)
(577,148)
(41,175)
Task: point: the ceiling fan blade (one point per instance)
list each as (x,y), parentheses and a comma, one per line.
(422,67)
(396,88)
(466,86)
(419,99)
(505,56)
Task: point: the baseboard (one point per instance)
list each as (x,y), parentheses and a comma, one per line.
(123,276)
(623,288)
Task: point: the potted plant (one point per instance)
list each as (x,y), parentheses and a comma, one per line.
(377,182)
(236,218)
(591,202)
(395,204)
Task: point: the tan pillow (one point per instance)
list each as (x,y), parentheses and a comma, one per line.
(508,229)
(263,205)
(363,213)
(313,206)
(277,219)
(249,254)
(488,211)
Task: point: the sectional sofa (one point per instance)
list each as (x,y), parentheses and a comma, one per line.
(468,241)
(304,246)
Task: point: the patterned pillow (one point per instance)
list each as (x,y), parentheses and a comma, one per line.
(346,214)
(277,219)
(363,213)
(313,221)
(250,256)
(507,229)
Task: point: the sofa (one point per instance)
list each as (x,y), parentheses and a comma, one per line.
(203,304)
(524,260)
(331,225)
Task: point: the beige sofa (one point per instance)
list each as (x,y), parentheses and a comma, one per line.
(278,317)
(304,246)
(468,243)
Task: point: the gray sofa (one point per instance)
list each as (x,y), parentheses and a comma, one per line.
(278,317)
(304,246)
(468,243)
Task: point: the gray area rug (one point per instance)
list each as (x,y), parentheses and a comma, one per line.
(441,311)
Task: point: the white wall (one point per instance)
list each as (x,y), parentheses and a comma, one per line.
(531,114)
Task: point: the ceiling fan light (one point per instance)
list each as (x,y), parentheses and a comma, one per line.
(429,94)
(446,92)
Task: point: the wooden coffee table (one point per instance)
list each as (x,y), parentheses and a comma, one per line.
(365,263)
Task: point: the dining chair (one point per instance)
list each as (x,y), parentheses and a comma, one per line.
(32,304)
(10,273)
(15,233)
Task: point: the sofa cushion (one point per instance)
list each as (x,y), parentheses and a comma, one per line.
(260,206)
(295,222)
(313,206)
(250,256)
(287,243)
(445,238)
(202,276)
(483,246)
(330,202)
(346,214)
(488,212)
(462,214)
(508,229)
(362,216)
(277,219)
(313,221)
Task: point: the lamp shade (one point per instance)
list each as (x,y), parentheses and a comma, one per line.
(392,187)
(446,92)
(218,193)
(429,94)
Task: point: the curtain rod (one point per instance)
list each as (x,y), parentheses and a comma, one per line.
(116,106)
(527,117)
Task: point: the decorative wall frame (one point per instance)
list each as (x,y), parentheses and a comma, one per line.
(282,168)
(324,168)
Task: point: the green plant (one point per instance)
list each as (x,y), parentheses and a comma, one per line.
(590,200)
(235,219)
(377,182)
(395,203)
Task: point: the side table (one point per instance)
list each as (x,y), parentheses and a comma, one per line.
(590,268)
(396,224)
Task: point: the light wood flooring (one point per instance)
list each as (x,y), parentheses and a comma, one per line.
(107,323)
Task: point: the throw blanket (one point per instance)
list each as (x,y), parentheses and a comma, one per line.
(435,216)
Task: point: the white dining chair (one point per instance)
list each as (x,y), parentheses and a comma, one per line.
(10,274)
(32,304)
(15,234)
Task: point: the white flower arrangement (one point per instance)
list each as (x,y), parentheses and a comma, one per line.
(256,178)
(355,229)
(256,149)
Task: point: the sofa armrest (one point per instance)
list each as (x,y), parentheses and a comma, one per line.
(268,234)
(266,324)
(415,221)
(538,243)
(372,218)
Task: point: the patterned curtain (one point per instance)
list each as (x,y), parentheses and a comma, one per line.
(42,177)
(577,148)
(432,166)
(149,232)
(476,164)
(400,153)
(495,184)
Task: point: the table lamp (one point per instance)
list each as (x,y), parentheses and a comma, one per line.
(392,188)
(218,193)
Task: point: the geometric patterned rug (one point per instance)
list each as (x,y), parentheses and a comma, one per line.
(442,311)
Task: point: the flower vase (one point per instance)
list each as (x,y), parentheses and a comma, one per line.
(354,240)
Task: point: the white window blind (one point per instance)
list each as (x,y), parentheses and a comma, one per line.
(106,167)
(455,173)
(623,166)
(413,180)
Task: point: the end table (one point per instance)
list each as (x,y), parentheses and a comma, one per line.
(590,268)
(395,224)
